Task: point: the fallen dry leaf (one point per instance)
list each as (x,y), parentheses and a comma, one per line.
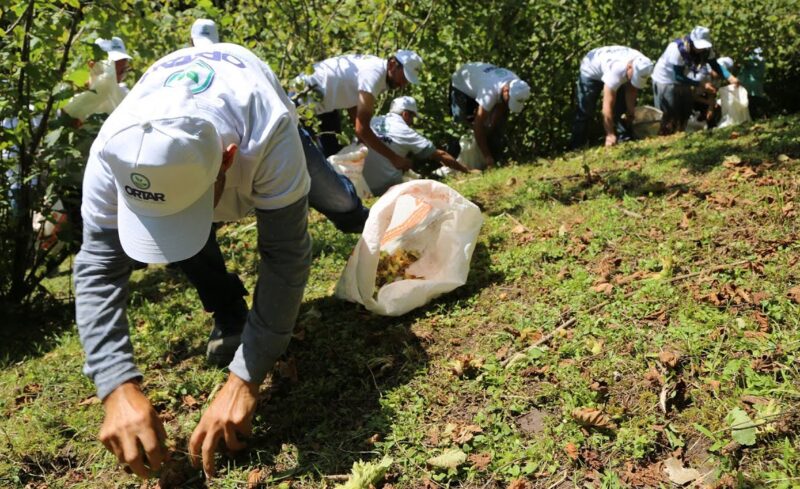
(519,229)
(519,484)
(593,418)
(572,451)
(465,433)
(669,359)
(480,460)
(189,401)
(794,294)
(677,473)
(653,377)
(254,478)
(604,288)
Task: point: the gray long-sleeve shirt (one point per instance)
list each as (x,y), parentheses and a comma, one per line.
(102,271)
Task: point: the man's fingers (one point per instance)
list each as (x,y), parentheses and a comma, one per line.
(209,449)
(154,450)
(232,440)
(132,457)
(195,444)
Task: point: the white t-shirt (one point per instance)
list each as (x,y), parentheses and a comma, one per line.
(250,109)
(379,172)
(483,82)
(342,77)
(104,94)
(664,71)
(609,64)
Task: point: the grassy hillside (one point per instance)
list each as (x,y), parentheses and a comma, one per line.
(641,316)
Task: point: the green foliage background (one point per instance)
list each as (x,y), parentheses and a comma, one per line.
(45,47)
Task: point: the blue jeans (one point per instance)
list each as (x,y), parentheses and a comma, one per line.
(332,194)
(588,91)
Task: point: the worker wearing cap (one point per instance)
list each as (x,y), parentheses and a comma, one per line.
(672,83)
(481,95)
(204,32)
(705,101)
(395,130)
(332,194)
(619,72)
(106,82)
(197,142)
(353,82)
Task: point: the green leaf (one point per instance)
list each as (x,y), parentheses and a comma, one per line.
(743,430)
(366,474)
(450,459)
(78,77)
(52,137)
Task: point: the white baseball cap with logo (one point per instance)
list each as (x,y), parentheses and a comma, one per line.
(403,103)
(114,47)
(165,153)
(411,64)
(204,32)
(700,37)
(642,69)
(518,93)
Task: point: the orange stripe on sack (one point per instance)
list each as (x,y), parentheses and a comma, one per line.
(414,219)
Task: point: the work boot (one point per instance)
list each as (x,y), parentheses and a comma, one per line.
(221,348)
(226,335)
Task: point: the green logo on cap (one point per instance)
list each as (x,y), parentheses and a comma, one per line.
(141,181)
(197,77)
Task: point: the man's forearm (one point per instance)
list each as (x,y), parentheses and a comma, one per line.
(609,99)
(479,129)
(101,292)
(285,248)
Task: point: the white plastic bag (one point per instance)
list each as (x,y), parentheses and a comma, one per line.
(470,155)
(734,103)
(349,161)
(424,217)
(646,121)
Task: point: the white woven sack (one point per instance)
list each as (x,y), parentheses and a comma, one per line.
(424,216)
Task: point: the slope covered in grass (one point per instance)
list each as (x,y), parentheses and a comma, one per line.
(616,323)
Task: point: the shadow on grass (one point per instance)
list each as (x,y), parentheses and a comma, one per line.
(29,333)
(346,362)
(618,184)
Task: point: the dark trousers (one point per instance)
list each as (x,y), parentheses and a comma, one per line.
(330,125)
(221,292)
(587,92)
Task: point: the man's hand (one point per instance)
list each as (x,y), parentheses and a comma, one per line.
(611,139)
(710,88)
(230,415)
(132,425)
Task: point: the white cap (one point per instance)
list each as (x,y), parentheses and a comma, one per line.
(165,157)
(642,69)
(701,37)
(518,93)
(204,32)
(403,103)
(114,47)
(411,64)
(726,62)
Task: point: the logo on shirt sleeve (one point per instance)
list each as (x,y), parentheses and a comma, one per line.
(197,77)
